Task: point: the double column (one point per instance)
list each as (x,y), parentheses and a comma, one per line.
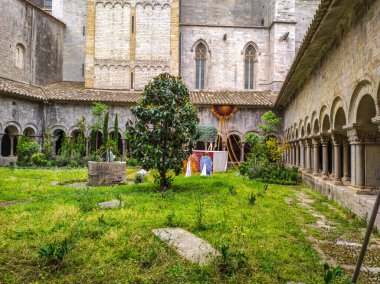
(357,139)
(308,155)
(325,157)
(316,142)
(337,143)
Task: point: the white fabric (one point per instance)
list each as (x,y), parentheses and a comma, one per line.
(204,171)
(188,169)
(220,160)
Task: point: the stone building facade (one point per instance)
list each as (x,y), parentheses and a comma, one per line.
(81,52)
(331,104)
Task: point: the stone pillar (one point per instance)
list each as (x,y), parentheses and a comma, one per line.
(337,162)
(302,154)
(308,155)
(12,152)
(205,146)
(297,154)
(346,177)
(325,158)
(316,156)
(87,141)
(356,140)
(360,165)
(242,144)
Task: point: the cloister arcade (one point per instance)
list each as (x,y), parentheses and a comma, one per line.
(340,141)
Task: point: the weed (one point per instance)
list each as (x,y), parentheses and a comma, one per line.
(56,252)
(102,220)
(331,273)
(200,213)
(229,261)
(252,199)
(232,189)
(170,219)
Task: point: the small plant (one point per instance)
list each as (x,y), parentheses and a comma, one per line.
(232,189)
(200,213)
(25,149)
(139,178)
(39,160)
(331,273)
(231,261)
(102,220)
(132,162)
(252,199)
(265,187)
(56,252)
(170,219)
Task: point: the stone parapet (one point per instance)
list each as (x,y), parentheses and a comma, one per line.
(105,173)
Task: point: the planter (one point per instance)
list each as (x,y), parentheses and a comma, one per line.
(106,173)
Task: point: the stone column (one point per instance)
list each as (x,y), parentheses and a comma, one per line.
(325,158)
(316,156)
(224,146)
(308,155)
(87,141)
(12,152)
(345,161)
(356,140)
(242,144)
(302,155)
(124,149)
(337,163)
(205,146)
(297,154)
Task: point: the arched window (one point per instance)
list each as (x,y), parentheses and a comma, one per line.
(200,62)
(20,50)
(249,59)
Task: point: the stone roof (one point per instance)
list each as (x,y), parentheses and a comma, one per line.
(76,92)
(43,11)
(330,22)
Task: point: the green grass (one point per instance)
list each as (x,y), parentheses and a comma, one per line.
(117,246)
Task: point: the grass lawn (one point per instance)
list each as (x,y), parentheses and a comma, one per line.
(117,246)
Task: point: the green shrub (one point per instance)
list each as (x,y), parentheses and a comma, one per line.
(139,178)
(132,162)
(39,160)
(231,261)
(271,174)
(25,150)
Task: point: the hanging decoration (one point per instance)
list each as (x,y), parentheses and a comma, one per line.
(224,112)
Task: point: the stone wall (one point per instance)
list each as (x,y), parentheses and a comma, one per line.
(73,14)
(36,37)
(225,56)
(129,42)
(351,65)
(222,12)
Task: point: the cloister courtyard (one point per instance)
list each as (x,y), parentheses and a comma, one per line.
(285,235)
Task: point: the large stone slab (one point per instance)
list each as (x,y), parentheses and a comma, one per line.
(111,204)
(187,244)
(105,173)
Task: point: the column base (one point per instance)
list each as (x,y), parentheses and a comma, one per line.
(324,177)
(316,174)
(338,182)
(346,179)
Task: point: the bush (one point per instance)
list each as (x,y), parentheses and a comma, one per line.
(139,178)
(25,150)
(272,174)
(39,160)
(132,162)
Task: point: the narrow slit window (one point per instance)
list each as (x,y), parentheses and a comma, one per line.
(133,24)
(200,65)
(132,81)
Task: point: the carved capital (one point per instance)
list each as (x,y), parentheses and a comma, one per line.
(356,136)
(337,139)
(325,140)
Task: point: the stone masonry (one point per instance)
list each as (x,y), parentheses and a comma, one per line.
(104,173)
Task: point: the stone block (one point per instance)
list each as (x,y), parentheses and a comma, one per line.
(105,173)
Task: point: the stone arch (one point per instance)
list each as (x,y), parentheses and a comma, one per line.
(366,110)
(233,147)
(120,141)
(326,125)
(316,127)
(204,42)
(57,128)
(254,45)
(301,130)
(339,119)
(30,126)
(363,88)
(14,124)
(9,139)
(338,105)
(20,56)
(308,130)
